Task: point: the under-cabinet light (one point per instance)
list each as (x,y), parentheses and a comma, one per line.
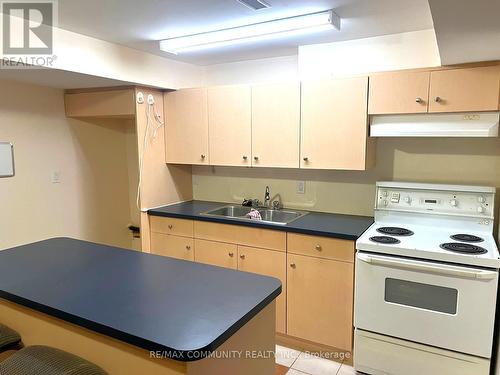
(280,28)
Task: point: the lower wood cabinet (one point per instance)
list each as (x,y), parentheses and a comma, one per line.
(172,246)
(216,253)
(316,273)
(269,263)
(320,300)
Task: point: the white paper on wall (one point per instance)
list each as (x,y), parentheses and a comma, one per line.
(6,159)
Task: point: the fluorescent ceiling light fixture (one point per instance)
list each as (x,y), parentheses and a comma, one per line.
(275,29)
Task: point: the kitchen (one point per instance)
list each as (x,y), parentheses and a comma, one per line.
(415,146)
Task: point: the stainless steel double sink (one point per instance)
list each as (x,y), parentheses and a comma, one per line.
(270,216)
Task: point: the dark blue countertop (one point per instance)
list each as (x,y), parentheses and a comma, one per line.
(184,308)
(349,227)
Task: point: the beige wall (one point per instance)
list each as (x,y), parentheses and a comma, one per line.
(92,201)
(450,160)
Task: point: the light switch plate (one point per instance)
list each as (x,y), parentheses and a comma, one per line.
(301,187)
(56,177)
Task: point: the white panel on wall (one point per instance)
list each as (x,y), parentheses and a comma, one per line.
(416,49)
(6,159)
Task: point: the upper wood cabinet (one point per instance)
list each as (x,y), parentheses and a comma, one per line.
(186,127)
(114,103)
(399,92)
(276,125)
(334,125)
(462,90)
(229,121)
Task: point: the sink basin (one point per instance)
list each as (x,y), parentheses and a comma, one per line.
(279,217)
(229,211)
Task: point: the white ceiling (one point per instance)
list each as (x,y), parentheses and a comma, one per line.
(55,78)
(141,23)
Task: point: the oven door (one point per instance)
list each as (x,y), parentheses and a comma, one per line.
(447,306)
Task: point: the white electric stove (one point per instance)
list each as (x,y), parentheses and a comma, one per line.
(426,281)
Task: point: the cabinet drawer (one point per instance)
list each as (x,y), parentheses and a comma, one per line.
(256,237)
(167,225)
(172,246)
(215,253)
(321,247)
(269,263)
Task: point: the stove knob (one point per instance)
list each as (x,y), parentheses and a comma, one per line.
(481,199)
(480,209)
(385,193)
(385,202)
(408,200)
(454,202)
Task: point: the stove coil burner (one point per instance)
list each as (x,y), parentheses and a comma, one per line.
(385,240)
(466,238)
(464,248)
(395,231)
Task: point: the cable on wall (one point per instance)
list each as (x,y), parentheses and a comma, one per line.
(153,124)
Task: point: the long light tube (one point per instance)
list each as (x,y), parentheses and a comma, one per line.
(284,27)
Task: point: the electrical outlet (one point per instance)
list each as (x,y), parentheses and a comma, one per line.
(56,177)
(151,99)
(301,187)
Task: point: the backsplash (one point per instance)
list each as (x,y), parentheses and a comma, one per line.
(447,160)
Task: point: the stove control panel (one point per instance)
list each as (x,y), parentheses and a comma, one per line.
(456,201)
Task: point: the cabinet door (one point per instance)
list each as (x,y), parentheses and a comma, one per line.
(275,125)
(186,127)
(229,120)
(400,92)
(461,90)
(334,124)
(268,263)
(320,300)
(215,253)
(172,246)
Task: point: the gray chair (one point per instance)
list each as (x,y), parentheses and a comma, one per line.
(44,360)
(9,338)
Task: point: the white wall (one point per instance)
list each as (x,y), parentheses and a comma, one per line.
(389,52)
(382,53)
(92,201)
(83,54)
(274,69)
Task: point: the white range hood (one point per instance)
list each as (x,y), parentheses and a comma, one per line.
(480,124)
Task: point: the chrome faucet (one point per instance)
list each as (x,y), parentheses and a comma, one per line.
(267,197)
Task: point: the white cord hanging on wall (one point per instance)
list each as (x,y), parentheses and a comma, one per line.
(153,124)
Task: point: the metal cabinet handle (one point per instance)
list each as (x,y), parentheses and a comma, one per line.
(188,247)
(255,158)
(418,99)
(306,158)
(231,254)
(318,247)
(203,156)
(170,226)
(437,99)
(292,265)
(242,256)
(245,157)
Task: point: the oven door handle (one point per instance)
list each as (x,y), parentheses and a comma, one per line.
(427,267)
